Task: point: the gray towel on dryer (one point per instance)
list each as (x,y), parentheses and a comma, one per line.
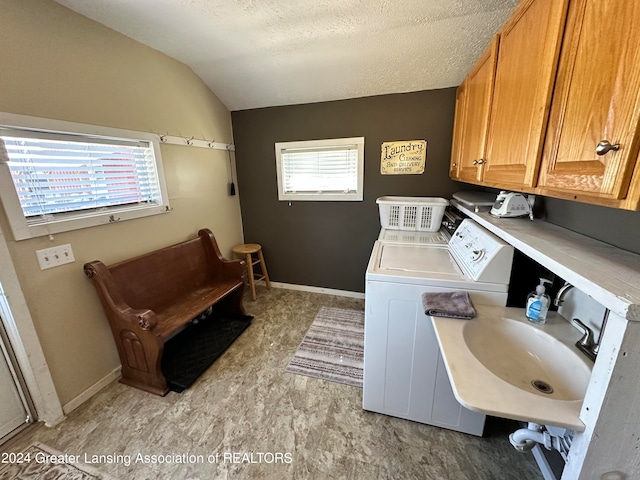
(448,304)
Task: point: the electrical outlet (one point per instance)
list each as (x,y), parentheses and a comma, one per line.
(55,256)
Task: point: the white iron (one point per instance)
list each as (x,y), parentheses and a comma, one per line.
(512,204)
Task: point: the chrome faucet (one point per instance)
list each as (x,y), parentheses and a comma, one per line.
(586,344)
(559,300)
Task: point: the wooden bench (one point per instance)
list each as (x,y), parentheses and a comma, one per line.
(150,298)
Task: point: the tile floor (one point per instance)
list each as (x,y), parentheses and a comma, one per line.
(264,423)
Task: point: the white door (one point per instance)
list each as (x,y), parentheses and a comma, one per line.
(13,408)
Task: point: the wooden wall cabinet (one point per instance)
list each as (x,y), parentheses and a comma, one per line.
(529,49)
(543,137)
(592,142)
(456,147)
(505,100)
(473,108)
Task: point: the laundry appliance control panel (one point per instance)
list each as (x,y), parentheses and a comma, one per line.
(480,254)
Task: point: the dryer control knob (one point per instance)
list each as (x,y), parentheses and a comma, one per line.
(478,254)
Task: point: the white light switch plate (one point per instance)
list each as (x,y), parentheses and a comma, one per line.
(55,256)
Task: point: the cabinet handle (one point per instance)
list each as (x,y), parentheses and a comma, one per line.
(454,165)
(481,161)
(605,147)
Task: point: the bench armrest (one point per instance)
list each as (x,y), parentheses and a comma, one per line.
(115,306)
(230,268)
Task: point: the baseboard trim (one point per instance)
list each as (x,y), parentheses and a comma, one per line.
(325,291)
(69,407)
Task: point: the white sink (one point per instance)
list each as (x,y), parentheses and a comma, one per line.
(528,358)
(500,364)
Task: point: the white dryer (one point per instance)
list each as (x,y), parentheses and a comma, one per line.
(404,374)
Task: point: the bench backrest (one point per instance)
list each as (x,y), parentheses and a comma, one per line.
(158,278)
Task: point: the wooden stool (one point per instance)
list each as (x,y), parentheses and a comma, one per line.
(247,250)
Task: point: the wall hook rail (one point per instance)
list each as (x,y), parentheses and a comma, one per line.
(194,142)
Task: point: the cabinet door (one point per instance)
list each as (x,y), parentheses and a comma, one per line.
(456,147)
(479,89)
(597,98)
(529,49)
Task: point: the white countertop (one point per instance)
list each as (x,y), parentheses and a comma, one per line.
(608,274)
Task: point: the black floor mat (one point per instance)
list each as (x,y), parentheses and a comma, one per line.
(188,354)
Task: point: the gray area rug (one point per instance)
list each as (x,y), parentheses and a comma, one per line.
(333,348)
(41,462)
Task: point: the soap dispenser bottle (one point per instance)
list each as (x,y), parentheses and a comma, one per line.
(538,304)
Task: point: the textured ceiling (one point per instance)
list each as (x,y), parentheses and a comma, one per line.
(258,53)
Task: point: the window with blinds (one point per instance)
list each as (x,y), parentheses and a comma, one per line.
(320,169)
(59,178)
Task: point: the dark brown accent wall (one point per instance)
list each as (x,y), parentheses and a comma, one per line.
(327,244)
(620,228)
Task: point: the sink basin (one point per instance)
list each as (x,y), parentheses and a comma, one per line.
(528,358)
(503,365)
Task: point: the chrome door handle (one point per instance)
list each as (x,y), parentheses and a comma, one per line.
(605,147)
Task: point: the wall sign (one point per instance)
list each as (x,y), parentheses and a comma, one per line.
(403,157)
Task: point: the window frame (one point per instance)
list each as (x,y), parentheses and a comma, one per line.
(327,196)
(20,226)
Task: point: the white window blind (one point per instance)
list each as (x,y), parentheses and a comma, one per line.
(320,170)
(56,174)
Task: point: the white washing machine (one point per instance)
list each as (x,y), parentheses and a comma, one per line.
(404,374)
